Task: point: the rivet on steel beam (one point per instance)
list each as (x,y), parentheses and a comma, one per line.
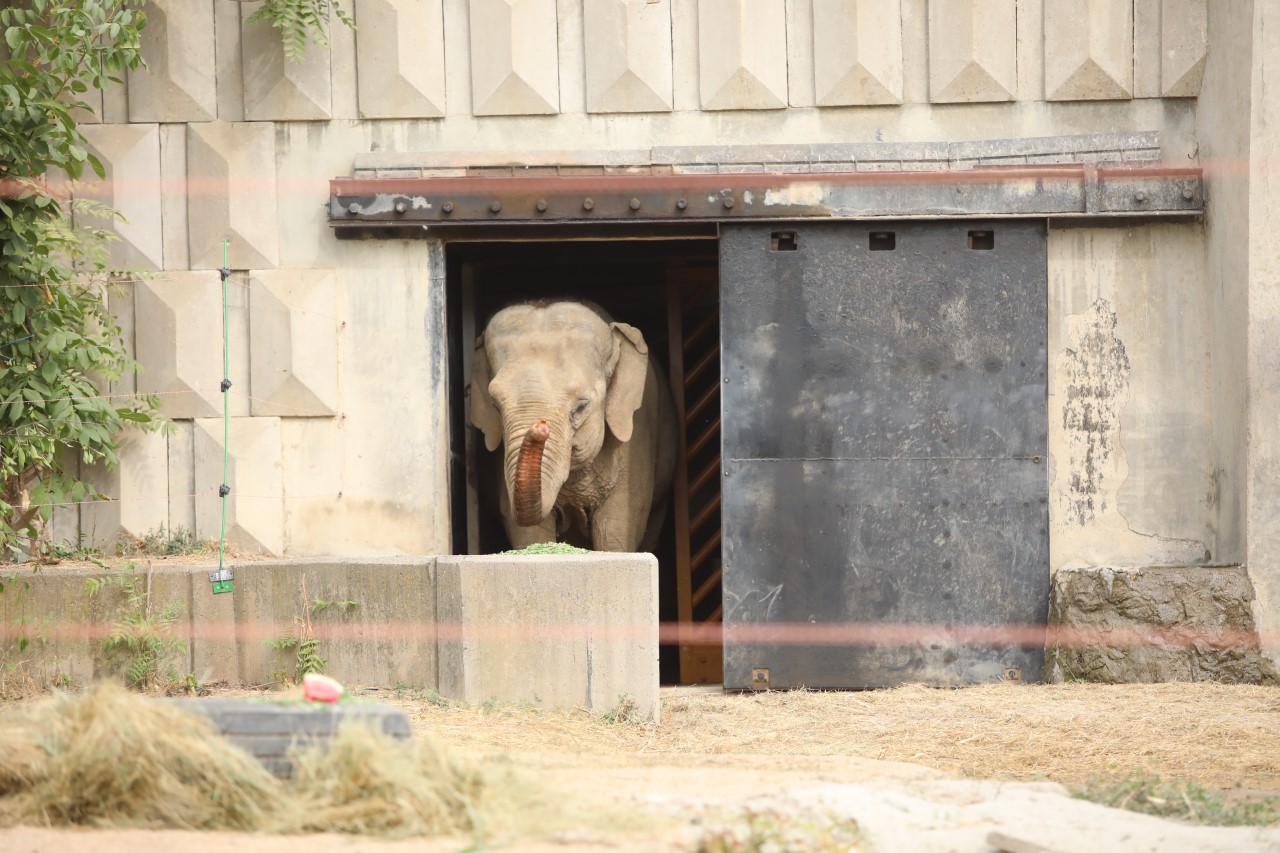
(1139,196)
(447,207)
(401,207)
(1188,194)
(353,208)
(681,204)
(635,204)
(728,203)
(541,205)
(495,206)
(587,204)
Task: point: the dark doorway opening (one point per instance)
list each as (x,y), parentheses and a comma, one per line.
(659,286)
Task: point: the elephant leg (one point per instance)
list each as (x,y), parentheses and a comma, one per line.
(619,523)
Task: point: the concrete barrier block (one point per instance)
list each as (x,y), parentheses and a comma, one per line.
(182,484)
(514,70)
(1184,47)
(293,343)
(373,619)
(255,506)
(138,490)
(177,83)
(973,50)
(628,55)
(742,54)
(857,52)
(181,352)
(555,631)
(130,155)
(1088,50)
(231,170)
(173,196)
(400,51)
(58,625)
(276,89)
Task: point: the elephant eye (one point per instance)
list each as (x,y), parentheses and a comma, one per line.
(579,409)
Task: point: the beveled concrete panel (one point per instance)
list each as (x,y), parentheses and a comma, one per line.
(232,193)
(174,196)
(130,154)
(1088,50)
(1184,46)
(742,54)
(628,55)
(400,52)
(293,337)
(177,83)
(276,89)
(513,57)
(179,342)
(857,52)
(973,50)
(182,484)
(255,505)
(138,490)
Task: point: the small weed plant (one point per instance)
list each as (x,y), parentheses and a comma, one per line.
(626,712)
(178,542)
(1188,801)
(142,636)
(778,831)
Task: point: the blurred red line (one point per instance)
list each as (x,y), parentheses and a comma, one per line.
(776,634)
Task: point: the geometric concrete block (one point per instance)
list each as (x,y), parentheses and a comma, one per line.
(857,52)
(973,50)
(557,631)
(742,54)
(255,505)
(138,489)
(232,193)
(514,69)
(628,55)
(130,155)
(182,485)
(179,342)
(276,88)
(1184,46)
(1088,50)
(173,201)
(400,52)
(293,342)
(177,83)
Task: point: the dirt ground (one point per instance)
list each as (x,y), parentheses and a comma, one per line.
(912,768)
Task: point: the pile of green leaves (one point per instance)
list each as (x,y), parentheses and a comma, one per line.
(59,345)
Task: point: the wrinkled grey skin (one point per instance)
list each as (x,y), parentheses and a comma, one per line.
(607,465)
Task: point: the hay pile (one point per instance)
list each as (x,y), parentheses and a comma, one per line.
(111,758)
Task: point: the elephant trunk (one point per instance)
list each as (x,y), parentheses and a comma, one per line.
(527,495)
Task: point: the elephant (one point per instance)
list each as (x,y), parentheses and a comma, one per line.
(587,425)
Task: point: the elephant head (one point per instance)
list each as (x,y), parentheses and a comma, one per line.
(548,380)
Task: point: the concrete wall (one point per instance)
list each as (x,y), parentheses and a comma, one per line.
(339,439)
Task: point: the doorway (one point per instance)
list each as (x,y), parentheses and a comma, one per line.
(669,290)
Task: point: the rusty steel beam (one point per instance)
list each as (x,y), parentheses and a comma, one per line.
(384,205)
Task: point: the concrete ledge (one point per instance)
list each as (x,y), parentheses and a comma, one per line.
(556,631)
(1133,625)
(53,627)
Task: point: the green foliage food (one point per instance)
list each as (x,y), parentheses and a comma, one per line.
(299,21)
(59,345)
(1188,801)
(546,548)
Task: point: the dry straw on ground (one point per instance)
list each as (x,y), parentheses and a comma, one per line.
(1218,735)
(112,758)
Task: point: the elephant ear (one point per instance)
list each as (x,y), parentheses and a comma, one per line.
(626,385)
(483,413)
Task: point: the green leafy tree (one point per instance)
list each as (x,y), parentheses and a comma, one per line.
(299,21)
(59,345)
